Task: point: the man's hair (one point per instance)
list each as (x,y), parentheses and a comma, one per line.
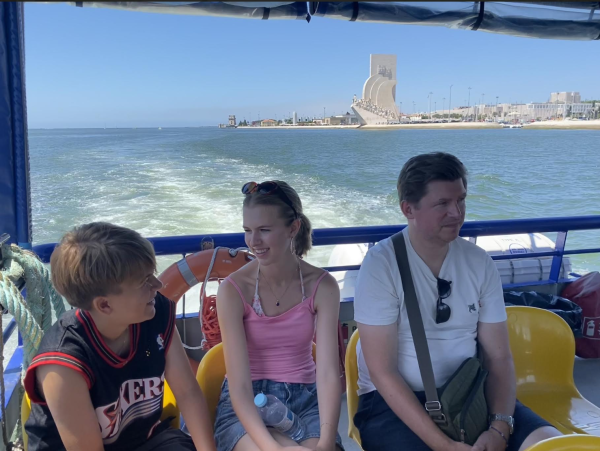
(95,259)
(419,171)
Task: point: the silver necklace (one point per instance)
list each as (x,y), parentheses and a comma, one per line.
(278,303)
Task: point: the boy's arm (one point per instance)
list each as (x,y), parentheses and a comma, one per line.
(68,398)
(188,395)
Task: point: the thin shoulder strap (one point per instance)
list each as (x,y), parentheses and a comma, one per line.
(316,285)
(432,406)
(238,289)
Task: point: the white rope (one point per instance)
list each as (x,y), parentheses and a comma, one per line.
(232,253)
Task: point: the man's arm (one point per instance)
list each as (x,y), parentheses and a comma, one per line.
(188,395)
(492,334)
(500,387)
(68,398)
(379,345)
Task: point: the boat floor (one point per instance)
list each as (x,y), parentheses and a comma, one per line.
(586,374)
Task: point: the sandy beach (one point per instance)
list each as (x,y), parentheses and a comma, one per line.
(566,125)
(544,125)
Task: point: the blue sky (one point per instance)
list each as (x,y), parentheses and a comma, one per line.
(90,67)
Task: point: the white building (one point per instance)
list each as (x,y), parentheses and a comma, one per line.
(565,97)
(295,118)
(378,103)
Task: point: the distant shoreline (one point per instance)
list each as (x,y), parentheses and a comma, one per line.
(545,125)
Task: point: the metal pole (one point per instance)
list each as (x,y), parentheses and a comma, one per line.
(469,102)
(430,105)
(450,103)
(483,102)
(497,106)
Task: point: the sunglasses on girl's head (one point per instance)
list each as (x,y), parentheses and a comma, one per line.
(267,188)
(442,311)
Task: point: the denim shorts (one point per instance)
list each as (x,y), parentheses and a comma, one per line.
(299,398)
(381,429)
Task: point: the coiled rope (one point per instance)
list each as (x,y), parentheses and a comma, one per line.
(33,316)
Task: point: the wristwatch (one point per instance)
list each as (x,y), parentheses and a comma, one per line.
(506,418)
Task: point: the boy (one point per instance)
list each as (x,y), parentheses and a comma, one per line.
(97,381)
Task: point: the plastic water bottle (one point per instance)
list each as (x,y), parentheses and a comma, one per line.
(275,414)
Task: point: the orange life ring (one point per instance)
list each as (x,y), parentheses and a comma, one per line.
(178,278)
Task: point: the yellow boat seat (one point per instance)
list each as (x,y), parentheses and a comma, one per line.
(543,349)
(352,385)
(170,409)
(568,443)
(211,374)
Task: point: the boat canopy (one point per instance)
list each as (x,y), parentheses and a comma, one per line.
(548,20)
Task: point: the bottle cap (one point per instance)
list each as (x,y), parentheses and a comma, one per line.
(260,400)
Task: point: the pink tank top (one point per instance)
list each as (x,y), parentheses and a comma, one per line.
(280,347)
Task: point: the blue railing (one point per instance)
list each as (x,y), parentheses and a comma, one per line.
(351,235)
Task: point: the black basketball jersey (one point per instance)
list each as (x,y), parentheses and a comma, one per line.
(127,393)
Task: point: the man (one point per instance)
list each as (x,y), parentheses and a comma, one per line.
(447,271)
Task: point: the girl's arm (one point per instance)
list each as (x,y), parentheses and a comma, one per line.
(231,323)
(327,305)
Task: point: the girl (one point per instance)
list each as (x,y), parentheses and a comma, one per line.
(268,312)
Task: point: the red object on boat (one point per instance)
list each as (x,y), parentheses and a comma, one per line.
(585,292)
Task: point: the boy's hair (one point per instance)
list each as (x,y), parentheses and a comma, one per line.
(95,259)
(429,167)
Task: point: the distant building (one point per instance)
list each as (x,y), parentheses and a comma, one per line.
(231,123)
(378,103)
(344,119)
(295,118)
(565,97)
(268,123)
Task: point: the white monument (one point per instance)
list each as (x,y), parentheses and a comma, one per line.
(378,103)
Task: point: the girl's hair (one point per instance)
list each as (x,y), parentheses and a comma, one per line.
(303,239)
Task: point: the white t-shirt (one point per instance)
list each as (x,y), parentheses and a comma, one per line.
(476,297)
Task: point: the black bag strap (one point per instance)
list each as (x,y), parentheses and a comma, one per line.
(432,405)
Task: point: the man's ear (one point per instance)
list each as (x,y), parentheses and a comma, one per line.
(408,209)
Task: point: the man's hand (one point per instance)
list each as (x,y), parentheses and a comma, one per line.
(489,441)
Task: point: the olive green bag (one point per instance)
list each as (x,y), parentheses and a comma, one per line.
(459,407)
